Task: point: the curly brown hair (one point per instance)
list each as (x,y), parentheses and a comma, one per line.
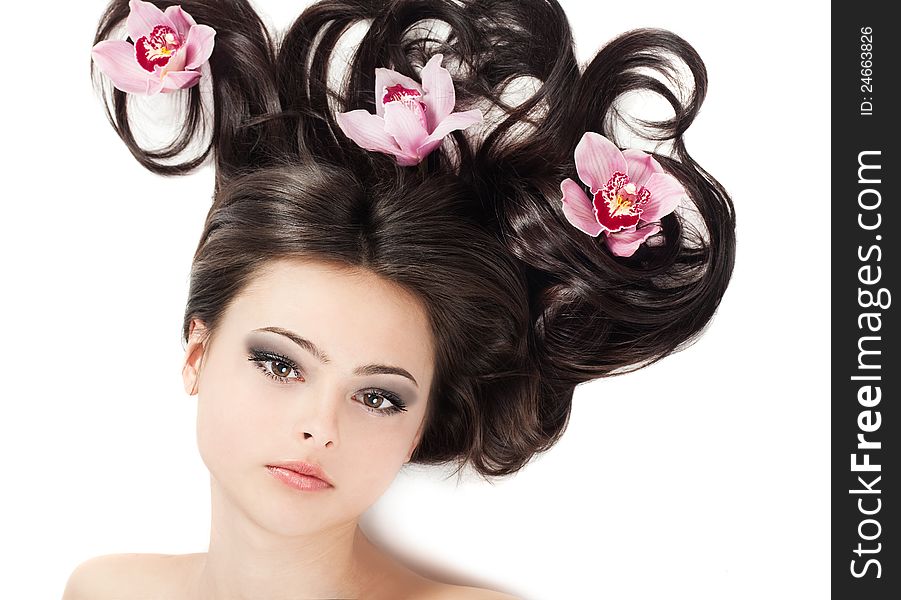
(522,305)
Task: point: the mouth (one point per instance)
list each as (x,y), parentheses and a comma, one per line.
(300,475)
(298,481)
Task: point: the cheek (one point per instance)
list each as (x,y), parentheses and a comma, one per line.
(231,419)
(387,438)
(374,452)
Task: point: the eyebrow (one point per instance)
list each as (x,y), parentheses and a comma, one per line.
(373,369)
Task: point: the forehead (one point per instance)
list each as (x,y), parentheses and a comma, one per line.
(350,314)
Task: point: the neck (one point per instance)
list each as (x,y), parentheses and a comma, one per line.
(247,561)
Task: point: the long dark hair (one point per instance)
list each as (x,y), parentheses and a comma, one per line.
(523,306)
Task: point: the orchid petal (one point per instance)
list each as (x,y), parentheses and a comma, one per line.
(578,208)
(198,46)
(386,78)
(597,158)
(439,97)
(144,16)
(625,243)
(182,20)
(641,165)
(451,123)
(177,80)
(454,121)
(367,130)
(405,126)
(666,193)
(406,160)
(424,150)
(116,59)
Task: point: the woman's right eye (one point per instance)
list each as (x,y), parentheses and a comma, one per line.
(274,366)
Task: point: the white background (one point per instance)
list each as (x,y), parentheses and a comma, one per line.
(703,476)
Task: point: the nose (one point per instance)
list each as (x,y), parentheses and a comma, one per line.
(307,435)
(317,419)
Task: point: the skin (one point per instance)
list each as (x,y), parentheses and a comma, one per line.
(268,540)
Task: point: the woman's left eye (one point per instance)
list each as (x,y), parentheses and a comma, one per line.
(395,405)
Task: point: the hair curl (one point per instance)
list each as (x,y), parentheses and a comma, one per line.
(523,306)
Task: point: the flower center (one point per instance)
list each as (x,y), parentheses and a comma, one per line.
(624,197)
(409,99)
(157,48)
(619,203)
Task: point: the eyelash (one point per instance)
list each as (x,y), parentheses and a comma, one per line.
(261,357)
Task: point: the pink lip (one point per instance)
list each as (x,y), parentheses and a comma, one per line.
(299,481)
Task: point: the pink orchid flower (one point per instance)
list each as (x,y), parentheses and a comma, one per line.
(168,47)
(629,191)
(411,119)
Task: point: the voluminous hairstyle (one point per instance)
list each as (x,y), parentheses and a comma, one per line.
(522,305)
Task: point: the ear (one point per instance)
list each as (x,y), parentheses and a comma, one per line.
(194,356)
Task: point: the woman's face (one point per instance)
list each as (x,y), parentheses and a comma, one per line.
(321,412)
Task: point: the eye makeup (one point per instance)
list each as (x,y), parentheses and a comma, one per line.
(276,366)
(308,346)
(261,357)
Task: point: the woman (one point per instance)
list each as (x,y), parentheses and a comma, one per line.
(391,274)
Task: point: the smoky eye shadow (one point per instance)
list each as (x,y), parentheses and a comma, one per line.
(271,345)
(274,343)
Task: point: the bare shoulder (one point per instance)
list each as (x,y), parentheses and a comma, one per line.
(114,576)
(99,577)
(459,592)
